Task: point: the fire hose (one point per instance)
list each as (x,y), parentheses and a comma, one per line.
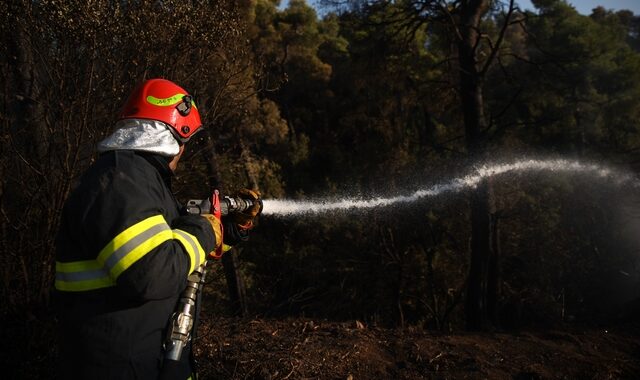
(182,325)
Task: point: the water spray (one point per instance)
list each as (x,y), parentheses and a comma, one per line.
(285,207)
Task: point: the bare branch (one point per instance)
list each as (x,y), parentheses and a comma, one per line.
(496,48)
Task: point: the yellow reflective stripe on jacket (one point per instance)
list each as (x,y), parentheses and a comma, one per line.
(81,275)
(192,246)
(133,243)
(124,250)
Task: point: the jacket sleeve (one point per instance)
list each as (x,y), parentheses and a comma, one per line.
(162,272)
(144,256)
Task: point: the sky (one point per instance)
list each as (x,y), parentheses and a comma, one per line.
(585,6)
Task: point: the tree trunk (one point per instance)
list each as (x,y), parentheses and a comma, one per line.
(235,285)
(27,145)
(495,274)
(476,307)
(28,121)
(477,299)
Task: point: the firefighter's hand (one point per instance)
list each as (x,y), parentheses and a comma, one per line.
(247,218)
(216,226)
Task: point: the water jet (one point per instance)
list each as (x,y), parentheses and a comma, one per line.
(292,208)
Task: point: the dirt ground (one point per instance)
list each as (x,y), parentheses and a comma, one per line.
(311,349)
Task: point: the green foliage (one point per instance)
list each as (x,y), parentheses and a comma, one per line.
(388,116)
(578,90)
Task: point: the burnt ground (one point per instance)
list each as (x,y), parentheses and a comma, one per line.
(310,349)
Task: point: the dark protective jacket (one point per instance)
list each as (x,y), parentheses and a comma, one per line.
(124,252)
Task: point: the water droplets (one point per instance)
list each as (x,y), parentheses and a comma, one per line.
(285,207)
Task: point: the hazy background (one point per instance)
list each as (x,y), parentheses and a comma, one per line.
(585,6)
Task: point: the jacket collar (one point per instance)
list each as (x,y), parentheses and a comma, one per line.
(161,164)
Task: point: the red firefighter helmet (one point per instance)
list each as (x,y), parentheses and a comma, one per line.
(163,100)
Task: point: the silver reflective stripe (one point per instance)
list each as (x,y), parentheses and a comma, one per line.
(81,276)
(194,246)
(134,242)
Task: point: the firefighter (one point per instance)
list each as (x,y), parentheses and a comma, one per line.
(124,248)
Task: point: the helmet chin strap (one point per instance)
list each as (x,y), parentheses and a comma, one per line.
(182,140)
